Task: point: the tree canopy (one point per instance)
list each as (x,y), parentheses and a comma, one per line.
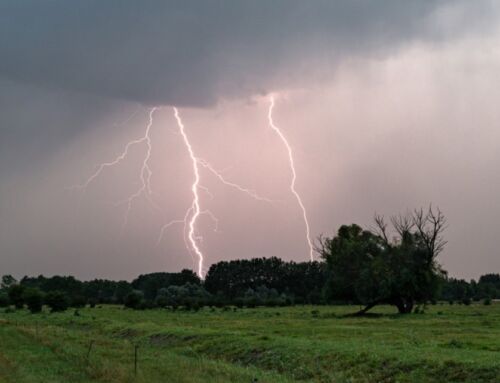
(373,267)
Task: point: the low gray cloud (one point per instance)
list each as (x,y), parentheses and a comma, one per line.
(194,52)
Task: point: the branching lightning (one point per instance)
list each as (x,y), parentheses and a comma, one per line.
(145,174)
(194,210)
(192,239)
(221,178)
(294,176)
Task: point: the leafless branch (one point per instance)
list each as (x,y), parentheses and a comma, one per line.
(430,226)
(381,228)
(403,224)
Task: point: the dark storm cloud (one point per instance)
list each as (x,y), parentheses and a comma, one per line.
(388,105)
(194,52)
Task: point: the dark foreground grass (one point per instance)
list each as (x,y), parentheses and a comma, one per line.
(306,344)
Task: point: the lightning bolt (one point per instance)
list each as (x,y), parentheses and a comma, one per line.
(294,175)
(242,189)
(191,239)
(194,211)
(145,174)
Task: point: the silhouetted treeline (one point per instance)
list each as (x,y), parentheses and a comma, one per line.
(394,263)
(461,291)
(236,281)
(255,282)
(249,283)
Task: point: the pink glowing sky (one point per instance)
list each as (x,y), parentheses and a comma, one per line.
(377,124)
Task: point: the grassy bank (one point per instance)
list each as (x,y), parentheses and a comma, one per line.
(317,344)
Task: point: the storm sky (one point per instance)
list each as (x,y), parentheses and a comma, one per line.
(388,105)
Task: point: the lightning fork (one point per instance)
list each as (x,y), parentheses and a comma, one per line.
(194,210)
(221,178)
(294,175)
(145,174)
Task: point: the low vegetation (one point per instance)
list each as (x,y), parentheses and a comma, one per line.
(455,343)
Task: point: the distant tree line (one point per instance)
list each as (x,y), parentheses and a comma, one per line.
(242,283)
(391,264)
(460,291)
(251,283)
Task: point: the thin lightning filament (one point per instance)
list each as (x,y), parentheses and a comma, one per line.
(294,176)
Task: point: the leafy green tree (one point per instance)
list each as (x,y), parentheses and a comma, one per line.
(350,258)
(7,281)
(370,268)
(4,299)
(78,301)
(123,288)
(162,298)
(189,296)
(134,299)
(263,296)
(234,278)
(301,282)
(33,298)
(57,301)
(149,284)
(304,281)
(16,295)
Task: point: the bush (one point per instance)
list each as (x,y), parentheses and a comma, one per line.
(4,299)
(133,299)
(78,301)
(190,296)
(487,301)
(263,296)
(33,298)
(161,301)
(466,301)
(16,295)
(57,301)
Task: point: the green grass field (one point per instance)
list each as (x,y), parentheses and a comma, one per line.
(305,344)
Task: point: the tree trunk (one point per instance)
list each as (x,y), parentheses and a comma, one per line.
(366,308)
(405,306)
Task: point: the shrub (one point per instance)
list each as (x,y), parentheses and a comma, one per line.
(419,309)
(78,301)
(133,299)
(466,301)
(487,301)
(190,296)
(16,295)
(264,296)
(57,301)
(34,299)
(161,301)
(4,299)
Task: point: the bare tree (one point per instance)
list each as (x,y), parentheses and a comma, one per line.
(380,229)
(430,226)
(403,224)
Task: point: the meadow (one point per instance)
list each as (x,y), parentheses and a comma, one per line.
(447,343)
